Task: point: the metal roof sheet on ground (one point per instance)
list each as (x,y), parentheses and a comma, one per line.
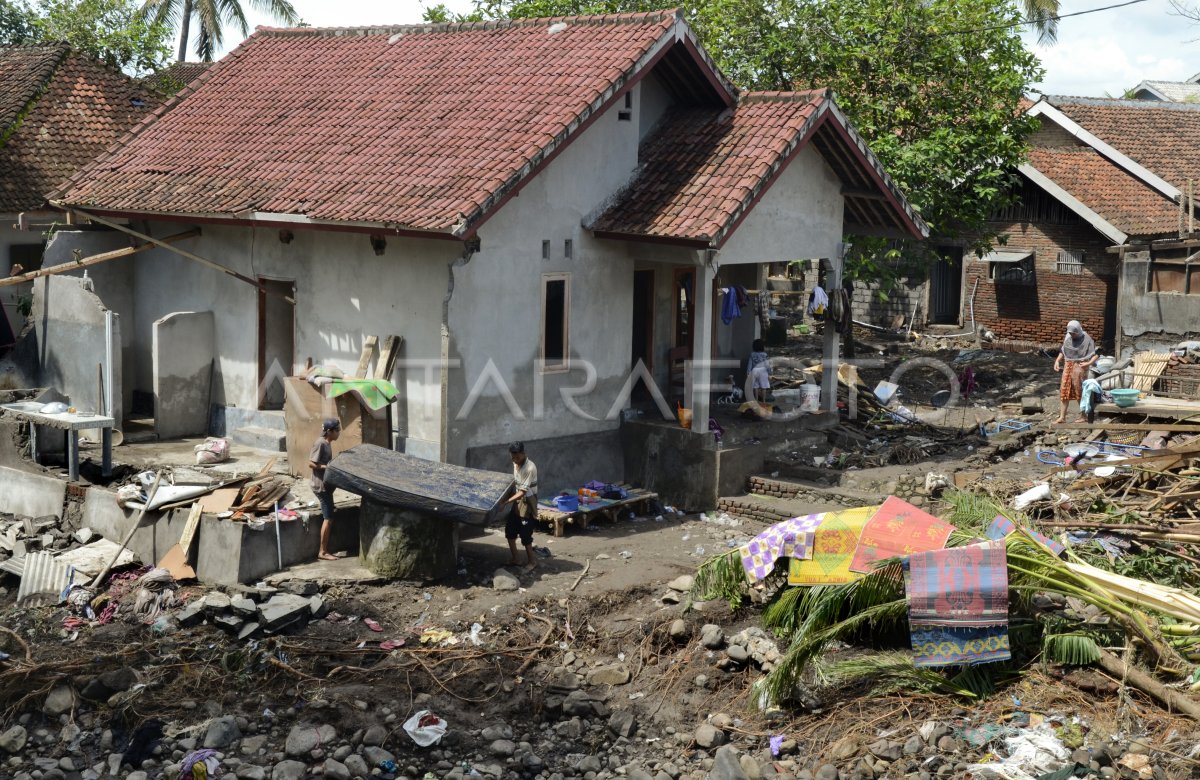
(43,580)
(406,482)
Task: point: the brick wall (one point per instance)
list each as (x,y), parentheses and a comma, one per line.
(1039,313)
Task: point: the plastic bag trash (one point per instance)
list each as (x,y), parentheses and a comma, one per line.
(626,554)
(425,728)
(476,630)
(54,407)
(1036,493)
(213,450)
(147,479)
(699,550)
(1031,753)
(128,493)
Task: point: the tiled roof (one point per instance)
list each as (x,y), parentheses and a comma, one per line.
(176,76)
(1160,136)
(1125,202)
(1178,91)
(24,71)
(59,112)
(702,169)
(417,128)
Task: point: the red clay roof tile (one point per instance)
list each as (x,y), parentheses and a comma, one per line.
(58,112)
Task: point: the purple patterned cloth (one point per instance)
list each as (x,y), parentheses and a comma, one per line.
(789,539)
(1001,527)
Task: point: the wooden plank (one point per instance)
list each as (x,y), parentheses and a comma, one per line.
(219,500)
(1165,427)
(192,524)
(86,262)
(387,357)
(1156,408)
(364,359)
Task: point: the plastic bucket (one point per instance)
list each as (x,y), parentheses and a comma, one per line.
(810,398)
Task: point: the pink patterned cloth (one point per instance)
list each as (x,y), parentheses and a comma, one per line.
(790,539)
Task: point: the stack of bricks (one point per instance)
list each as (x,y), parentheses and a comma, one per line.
(761,486)
(746,508)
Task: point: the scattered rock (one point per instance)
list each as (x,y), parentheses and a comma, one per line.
(222,732)
(504,579)
(499,731)
(682,583)
(712,636)
(737,653)
(376,756)
(60,700)
(357,766)
(913,746)
(609,675)
(578,703)
(13,740)
(622,723)
(375,736)
(826,772)
(679,630)
(502,747)
(727,765)
(104,686)
(709,736)
(306,737)
(288,770)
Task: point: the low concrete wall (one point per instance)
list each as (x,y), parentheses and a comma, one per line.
(564,462)
(33,495)
(184,348)
(689,472)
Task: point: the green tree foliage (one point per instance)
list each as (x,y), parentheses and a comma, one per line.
(212,16)
(110,30)
(934,86)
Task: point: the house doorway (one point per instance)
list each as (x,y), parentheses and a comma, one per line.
(684,302)
(642,344)
(945,287)
(276,339)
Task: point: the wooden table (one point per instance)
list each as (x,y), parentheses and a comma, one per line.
(608,509)
(72,424)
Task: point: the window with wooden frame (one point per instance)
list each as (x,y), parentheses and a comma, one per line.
(1179,275)
(1070,262)
(556,317)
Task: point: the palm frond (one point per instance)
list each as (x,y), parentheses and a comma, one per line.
(721,577)
(281,10)
(971,512)
(1071,649)
(168,12)
(890,672)
(782,615)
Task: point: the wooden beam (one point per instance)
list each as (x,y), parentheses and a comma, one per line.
(1166,427)
(364,358)
(181,252)
(87,262)
(850,192)
(387,357)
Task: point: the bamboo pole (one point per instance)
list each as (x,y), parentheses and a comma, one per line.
(87,262)
(1175,700)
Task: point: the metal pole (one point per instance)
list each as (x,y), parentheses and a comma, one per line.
(108,365)
(278,538)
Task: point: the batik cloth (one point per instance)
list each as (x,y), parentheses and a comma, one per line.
(832,550)
(789,539)
(958,605)
(1001,527)
(1070,387)
(896,530)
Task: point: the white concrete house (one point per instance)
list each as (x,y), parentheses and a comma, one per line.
(534,206)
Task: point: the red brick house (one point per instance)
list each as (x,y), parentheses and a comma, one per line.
(1101,174)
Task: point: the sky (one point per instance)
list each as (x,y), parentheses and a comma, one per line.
(1097,54)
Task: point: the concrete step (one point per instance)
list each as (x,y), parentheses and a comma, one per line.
(261,438)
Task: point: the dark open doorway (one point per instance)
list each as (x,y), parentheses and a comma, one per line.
(945,287)
(642,344)
(276,339)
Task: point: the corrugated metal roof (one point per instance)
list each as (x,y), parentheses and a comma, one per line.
(43,580)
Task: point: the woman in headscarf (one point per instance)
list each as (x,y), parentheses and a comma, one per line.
(1078,353)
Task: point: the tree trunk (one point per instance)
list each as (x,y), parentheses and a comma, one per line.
(183,30)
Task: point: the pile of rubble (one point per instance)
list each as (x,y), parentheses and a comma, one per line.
(244,611)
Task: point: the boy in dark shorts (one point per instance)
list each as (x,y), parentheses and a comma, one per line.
(522,507)
(318,460)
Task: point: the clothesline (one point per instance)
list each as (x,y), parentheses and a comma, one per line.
(723,290)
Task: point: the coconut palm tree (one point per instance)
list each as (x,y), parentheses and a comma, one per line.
(1043,15)
(212,16)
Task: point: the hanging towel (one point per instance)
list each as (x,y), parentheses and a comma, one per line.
(819,302)
(790,539)
(374,393)
(743,298)
(958,605)
(730,310)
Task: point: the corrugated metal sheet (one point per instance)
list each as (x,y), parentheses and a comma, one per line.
(43,580)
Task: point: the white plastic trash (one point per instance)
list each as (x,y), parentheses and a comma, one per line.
(1036,493)
(429,734)
(810,398)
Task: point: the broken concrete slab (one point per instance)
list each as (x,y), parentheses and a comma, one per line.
(31,494)
(281,610)
(243,606)
(191,614)
(183,345)
(231,623)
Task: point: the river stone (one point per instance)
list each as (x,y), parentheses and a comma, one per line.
(222,732)
(406,544)
(59,701)
(726,765)
(288,770)
(12,740)
(709,736)
(307,737)
(712,636)
(609,675)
